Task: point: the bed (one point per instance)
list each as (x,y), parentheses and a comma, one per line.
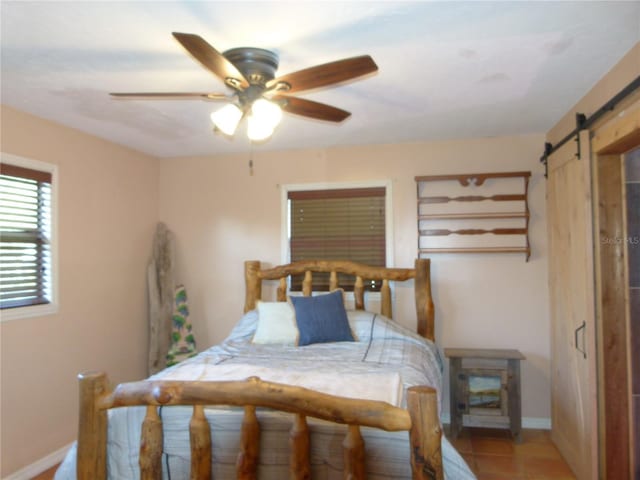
(264,405)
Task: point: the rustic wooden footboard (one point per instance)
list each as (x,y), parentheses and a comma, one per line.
(420,420)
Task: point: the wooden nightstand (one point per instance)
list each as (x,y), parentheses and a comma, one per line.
(484,389)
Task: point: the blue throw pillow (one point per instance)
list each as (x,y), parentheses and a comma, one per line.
(322,319)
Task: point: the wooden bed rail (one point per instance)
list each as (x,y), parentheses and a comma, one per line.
(254,275)
(420,420)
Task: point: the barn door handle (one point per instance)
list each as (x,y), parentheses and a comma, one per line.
(582,350)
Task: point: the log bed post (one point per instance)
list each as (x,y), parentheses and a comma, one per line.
(424,300)
(253,284)
(353,444)
(200,440)
(425,434)
(358,293)
(385,299)
(151,440)
(299,445)
(333,281)
(247,462)
(307,284)
(282,290)
(92,429)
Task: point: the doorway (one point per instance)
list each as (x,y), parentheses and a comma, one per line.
(617,196)
(632,188)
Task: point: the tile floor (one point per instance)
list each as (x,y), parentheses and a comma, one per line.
(493,455)
(48,475)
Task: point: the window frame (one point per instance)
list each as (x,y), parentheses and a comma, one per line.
(285,226)
(29,311)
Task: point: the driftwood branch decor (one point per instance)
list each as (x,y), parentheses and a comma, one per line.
(160,283)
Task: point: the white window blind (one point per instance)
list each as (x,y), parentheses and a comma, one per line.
(339,224)
(25,234)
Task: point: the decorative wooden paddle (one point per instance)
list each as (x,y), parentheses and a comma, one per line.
(474,231)
(473,198)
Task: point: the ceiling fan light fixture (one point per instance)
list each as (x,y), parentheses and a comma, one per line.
(258,129)
(267,112)
(227,118)
(265,117)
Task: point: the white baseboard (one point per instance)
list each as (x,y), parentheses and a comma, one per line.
(41,465)
(539,423)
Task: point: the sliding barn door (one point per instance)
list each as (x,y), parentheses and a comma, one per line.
(571,283)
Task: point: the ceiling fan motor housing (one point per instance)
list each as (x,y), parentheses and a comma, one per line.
(256,64)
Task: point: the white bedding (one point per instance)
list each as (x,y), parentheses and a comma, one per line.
(382,386)
(381,365)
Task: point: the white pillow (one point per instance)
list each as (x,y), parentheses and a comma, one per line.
(276,324)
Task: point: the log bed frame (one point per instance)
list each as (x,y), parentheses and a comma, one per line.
(420,418)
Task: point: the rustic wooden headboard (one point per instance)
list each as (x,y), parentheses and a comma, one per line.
(254,275)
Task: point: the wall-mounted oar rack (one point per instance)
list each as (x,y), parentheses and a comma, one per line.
(473,213)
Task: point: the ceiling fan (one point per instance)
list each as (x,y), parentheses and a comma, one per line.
(258,93)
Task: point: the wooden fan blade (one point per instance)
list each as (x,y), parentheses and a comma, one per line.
(326,74)
(308,108)
(211,59)
(208,96)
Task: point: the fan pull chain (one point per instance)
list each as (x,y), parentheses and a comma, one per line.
(251,159)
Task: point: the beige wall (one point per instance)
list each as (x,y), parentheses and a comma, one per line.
(222,216)
(108,198)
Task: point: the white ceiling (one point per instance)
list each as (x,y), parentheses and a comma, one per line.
(447,69)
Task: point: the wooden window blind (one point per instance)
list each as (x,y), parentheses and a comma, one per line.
(25,233)
(339,224)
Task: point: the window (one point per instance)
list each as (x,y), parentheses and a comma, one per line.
(337,223)
(26,237)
